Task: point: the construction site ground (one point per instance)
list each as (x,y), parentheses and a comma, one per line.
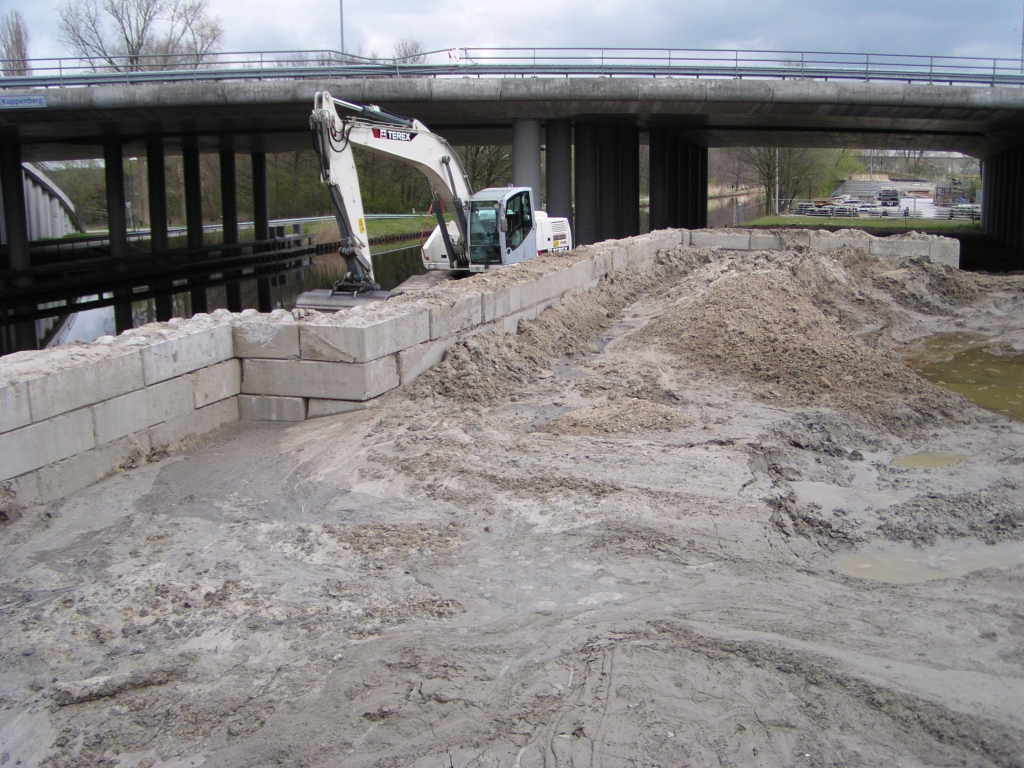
(613,539)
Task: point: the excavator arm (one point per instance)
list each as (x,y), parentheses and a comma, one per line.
(403,138)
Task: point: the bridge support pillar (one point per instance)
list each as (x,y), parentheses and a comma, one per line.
(261,224)
(658,189)
(692,183)
(22,335)
(194,217)
(156,182)
(229,221)
(610,181)
(1002,201)
(629,181)
(586,229)
(559,168)
(526,157)
(117,227)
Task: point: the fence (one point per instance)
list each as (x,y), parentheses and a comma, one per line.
(525,62)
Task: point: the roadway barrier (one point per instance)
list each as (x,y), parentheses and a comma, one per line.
(71,415)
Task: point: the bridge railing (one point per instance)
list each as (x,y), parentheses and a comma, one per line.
(525,62)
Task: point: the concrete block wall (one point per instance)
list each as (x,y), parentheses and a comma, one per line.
(72,415)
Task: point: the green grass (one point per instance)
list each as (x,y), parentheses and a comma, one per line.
(889,224)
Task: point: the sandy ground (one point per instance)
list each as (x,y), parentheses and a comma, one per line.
(609,540)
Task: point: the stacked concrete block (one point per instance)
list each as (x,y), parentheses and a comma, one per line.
(73,414)
(730,240)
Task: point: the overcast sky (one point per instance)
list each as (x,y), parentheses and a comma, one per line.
(988,28)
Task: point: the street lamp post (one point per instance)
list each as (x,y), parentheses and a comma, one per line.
(341,4)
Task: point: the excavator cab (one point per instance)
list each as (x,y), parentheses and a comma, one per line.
(502,227)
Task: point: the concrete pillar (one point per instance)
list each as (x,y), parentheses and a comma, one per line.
(658,191)
(261,224)
(610,183)
(587,184)
(194,216)
(526,156)
(702,187)
(16,228)
(156,181)
(229,221)
(672,182)
(559,168)
(117,226)
(986,177)
(684,184)
(1001,207)
(629,181)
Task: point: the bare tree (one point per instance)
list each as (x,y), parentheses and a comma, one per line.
(487,166)
(409,50)
(14,45)
(133,35)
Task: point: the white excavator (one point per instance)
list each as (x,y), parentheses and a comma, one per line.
(489,229)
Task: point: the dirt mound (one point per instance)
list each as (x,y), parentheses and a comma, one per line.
(619,416)
(494,367)
(760,327)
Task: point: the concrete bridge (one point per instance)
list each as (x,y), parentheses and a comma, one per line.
(589,120)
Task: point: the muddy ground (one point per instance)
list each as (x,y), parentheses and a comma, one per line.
(609,540)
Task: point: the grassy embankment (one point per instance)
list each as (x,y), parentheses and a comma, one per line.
(884,226)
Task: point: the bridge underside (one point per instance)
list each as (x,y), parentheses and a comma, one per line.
(592,128)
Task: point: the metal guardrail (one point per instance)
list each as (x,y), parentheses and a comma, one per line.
(525,62)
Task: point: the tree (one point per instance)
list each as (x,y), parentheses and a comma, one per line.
(487,165)
(409,50)
(133,35)
(14,45)
(801,172)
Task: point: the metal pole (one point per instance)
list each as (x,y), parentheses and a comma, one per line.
(341,4)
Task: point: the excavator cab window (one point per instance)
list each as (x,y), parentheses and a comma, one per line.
(484,244)
(520,219)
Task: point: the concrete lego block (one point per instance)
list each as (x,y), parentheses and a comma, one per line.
(685,237)
(501,302)
(270,408)
(266,337)
(945,250)
(177,355)
(449,318)
(765,241)
(14,410)
(196,423)
(510,324)
(311,378)
(26,489)
(602,262)
(795,238)
(819,242)
(139,410)
(80,376)
(217,382)
(885,247)
(82,470)
(730,241)
(361,337)
(317,408)
(415,360)
(620,259)
(36,445)
(581,274)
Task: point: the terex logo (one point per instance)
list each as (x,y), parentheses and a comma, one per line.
(387,133)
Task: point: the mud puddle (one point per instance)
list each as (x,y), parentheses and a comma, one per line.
(906,564)
(929,460)
(991,376)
